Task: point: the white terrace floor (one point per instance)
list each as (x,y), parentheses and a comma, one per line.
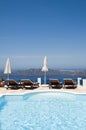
(78,90)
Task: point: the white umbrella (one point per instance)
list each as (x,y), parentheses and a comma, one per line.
(7,68)
(45,68)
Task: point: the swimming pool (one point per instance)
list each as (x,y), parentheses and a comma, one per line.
(43,111)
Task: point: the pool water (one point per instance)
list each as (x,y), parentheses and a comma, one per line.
(43,111)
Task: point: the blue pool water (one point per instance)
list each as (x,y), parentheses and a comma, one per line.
(43,111)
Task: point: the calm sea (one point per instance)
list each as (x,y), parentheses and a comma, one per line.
(34,78)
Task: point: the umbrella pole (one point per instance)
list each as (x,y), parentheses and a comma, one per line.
(8,76)
(45,78)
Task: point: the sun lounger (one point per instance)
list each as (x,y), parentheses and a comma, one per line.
(55,83)
(69,83)
(26,83)
(12,84)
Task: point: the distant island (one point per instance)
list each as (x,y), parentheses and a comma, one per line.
(38,72)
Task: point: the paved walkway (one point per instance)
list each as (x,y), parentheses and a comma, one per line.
(78,90)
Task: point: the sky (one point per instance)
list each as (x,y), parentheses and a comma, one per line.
(32,29)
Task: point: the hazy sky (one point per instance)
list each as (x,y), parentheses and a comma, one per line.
(31,29)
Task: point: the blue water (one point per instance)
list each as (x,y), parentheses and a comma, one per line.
(43,111)
(34,78)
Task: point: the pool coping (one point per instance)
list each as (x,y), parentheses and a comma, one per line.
(41,90)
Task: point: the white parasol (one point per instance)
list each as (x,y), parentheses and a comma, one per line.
(45,68)
(7,68)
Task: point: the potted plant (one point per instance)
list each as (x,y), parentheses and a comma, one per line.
(2,82)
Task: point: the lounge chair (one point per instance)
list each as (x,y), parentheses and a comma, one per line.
(26,83)
(69,83)
(12,84)
(55,83)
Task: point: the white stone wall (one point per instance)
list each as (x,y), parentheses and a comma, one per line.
(78,81)
(39,81)
(84,82)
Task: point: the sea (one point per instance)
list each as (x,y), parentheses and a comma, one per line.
(61,78)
